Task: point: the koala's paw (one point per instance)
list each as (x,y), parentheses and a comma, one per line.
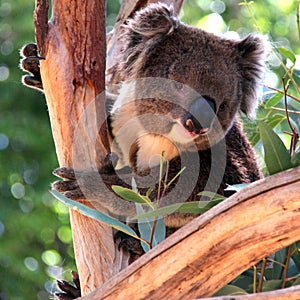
(69,186)
(68,291)
(129,244)
(31,63)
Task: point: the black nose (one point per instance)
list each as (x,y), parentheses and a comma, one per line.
(200,115)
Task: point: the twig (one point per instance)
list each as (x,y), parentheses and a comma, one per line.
(295,135)
(282,92)
(261,279)
(287,263)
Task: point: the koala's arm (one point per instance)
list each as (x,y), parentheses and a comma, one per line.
(96,186)
(31,63)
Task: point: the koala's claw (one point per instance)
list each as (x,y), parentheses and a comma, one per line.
(70,189)
(65,186)
(65,173)
(30,50)
(75,195)
(32,81)
(31,63)
(69,291)
(69,186)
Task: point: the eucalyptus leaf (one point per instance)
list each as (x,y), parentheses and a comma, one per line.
(145,229)
(236,187)
(273,100)
(296,256)
(276,119)
(293,269)
(271,285)
(94,214)
(130,195)
(244,282)
(277,157)
(230,290)
(287,54)
(196,207)
(134,185)
(211,195)
(254,138)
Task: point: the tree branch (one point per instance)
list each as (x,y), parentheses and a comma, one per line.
(213,249)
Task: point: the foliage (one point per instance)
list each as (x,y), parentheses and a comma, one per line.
(149,212)
(35,237)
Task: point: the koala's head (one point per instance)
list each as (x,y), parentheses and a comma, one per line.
(193,83)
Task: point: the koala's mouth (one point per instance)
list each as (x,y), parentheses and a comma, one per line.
(185,132)
(194,128)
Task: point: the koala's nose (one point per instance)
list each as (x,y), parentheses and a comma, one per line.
(200,115)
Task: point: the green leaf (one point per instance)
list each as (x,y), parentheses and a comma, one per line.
(254,138)
(271,285)
(244,282)
(145,229)
(94,214)
(293,269)
(130,195)
(277,157)
(230,290)
(134,185)
(287,54)
(276,119)
(211,195)
(296,256)
(196,207)
(236,187)
(273,100)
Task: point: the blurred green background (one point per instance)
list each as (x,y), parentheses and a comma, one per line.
(35,237)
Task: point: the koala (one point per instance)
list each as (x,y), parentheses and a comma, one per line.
(181,91)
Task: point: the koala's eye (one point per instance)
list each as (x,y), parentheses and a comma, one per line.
(222,106)
(178,85)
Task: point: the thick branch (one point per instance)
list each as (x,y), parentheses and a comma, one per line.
(216,247)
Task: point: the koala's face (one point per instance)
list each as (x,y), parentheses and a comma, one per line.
(185,84)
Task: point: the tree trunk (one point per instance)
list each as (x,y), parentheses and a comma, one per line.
(73,43)
(73,75)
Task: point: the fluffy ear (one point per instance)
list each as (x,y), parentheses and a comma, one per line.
(144,32)
(251,65)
